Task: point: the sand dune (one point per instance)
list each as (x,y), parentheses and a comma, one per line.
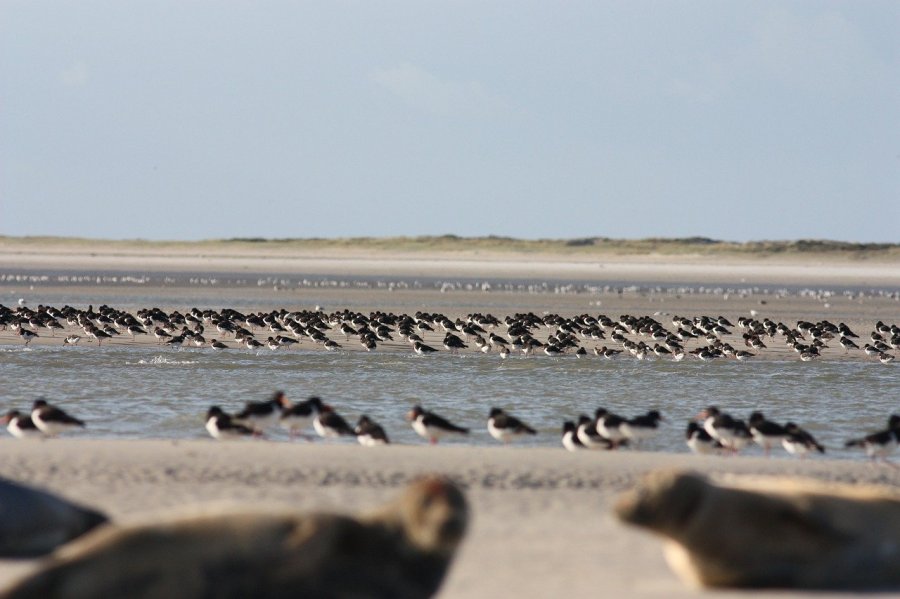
(830,268)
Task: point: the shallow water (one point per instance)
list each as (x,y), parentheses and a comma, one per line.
(141,392)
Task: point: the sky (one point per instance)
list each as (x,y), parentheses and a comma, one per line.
(192,119)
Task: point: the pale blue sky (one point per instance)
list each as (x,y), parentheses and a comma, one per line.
(194,119)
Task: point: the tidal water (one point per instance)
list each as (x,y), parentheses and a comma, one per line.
(131,392)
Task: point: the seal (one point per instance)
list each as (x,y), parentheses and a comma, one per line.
(34,522)
(403,550)
(759,532)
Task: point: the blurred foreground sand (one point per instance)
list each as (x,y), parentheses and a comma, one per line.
(542,522)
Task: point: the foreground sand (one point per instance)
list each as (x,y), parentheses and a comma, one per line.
(542,525)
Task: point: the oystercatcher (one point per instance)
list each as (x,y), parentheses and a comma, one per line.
(431,426)
(642,427)
(570,437)
(700,441)
(587,435)
(505,427)
(422,349)
(21,426)
(298,416)
(799,442)
(731,433)
(765,432)
(330,424)
(221,427)
(262,414)
(609,425)
(880,444)
(453,343)
(369,433)
(27,335)
(51,420)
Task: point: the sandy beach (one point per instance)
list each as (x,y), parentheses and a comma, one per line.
(542,525)
(688,268)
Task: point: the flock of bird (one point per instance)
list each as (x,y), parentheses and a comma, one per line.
(716,432)
(256,417)
(641,337)
(713,431)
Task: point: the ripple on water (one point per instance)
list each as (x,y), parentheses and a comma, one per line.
(161,361)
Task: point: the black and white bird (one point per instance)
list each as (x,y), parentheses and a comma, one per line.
(766,433)
(51,420)
(505,427)
(422,349)
(733,434)
(220,426)
(260,415)
(587,435)
(570,437)
(369,433)
(453,343)
(642,427)
(431,426)
(700,441)
(799,442)
(27,335)
(299,416)
(609,425)
(329,424)
(881,444)
(21,426)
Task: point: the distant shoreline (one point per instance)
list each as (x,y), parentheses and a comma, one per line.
(471,259)
(589,248)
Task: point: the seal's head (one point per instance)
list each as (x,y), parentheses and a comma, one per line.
(663,502)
